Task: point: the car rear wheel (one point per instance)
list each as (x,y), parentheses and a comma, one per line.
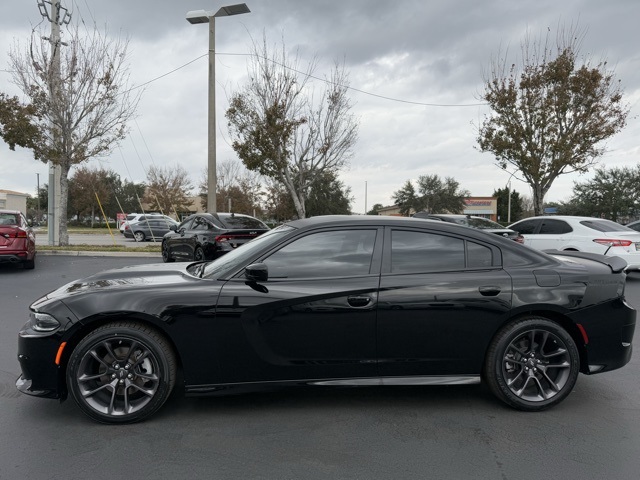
(198,255)
(122,372)
(166,254)
(29,264)
(532,364)
(139,236)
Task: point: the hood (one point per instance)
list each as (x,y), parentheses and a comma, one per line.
(132,277)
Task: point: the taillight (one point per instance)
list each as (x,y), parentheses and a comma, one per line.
(222,238)
(126,227)
(609,242)
(21,233)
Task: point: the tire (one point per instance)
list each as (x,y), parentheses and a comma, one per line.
(122,372)
(166,254)
(532,364)
(198,255)
(139,236)
(29,264)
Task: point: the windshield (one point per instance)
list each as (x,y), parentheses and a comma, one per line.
(237,258)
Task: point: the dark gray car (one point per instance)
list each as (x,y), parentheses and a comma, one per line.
(149,229)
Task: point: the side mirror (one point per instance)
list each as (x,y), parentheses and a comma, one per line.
(173,228)
(257,272)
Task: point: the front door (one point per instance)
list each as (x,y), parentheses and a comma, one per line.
(315,317)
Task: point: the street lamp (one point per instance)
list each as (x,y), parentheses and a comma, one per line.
(202,16)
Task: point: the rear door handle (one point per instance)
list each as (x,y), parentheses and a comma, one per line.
(489,291)
(357,301)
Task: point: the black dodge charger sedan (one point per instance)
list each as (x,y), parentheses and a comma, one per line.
(339,300)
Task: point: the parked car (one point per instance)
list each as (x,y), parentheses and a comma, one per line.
(474,222)
(205,236)
(581,234)
(150,228)
(343,300)
(138,217)
(17,239)
(634,225)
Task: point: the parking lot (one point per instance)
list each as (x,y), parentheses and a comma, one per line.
(455,432)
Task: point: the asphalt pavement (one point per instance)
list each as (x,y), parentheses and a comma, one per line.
(443,432)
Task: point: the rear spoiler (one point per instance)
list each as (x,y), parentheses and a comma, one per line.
(616,264)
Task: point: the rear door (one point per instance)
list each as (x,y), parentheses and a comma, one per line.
(441,299)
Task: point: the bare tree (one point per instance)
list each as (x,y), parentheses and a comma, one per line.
(80,107)
(552,113)
(282,131)
(168,189)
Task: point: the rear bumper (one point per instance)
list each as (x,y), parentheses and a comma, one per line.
(610,328)
(14,257)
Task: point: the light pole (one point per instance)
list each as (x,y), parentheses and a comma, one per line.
(509,198)
(202,16)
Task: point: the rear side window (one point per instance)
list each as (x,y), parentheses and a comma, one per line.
(555,227)
(414,252)
(605,225)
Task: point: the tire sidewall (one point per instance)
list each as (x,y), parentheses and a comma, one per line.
(494,372)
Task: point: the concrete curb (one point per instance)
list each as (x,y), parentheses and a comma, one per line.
(75,253)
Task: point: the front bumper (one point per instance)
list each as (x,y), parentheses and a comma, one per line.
(40,377)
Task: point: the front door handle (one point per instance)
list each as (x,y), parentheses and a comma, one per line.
(489,291)
(357,301)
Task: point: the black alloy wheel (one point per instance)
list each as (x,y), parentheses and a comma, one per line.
(166,253)
(139,236)
(532,364)
(121,372)
(198,255)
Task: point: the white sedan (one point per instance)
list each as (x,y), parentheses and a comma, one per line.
(583,234)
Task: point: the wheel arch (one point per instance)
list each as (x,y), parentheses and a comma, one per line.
(565,322)
(81,329)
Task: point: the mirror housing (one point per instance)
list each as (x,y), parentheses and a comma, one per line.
(257,272)
(173,228)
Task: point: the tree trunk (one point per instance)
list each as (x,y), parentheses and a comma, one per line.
(538,199)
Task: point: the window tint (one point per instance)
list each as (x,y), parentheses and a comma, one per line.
(324,254)
(413,252)
(605,226)
(241,222)
(555,227)
(478,256)
(526,226)
(513,259)
(8,219)
(200,224)
(186,224)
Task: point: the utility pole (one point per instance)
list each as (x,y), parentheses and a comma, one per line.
(38,198)
(57,15)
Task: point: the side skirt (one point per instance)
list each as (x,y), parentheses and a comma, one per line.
(221,389)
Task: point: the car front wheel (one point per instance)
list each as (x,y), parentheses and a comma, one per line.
(198,255)
(139,236)
(121,372)
(166,253)
(532,364)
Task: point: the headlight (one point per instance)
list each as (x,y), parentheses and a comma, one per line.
(43,322)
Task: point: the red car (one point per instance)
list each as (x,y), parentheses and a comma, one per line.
(17,240)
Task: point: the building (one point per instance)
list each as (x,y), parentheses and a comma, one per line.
(486,207)
(10,200)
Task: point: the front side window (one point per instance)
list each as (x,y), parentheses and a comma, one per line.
(555,227)
(336,253)
(413,252)
(526,227)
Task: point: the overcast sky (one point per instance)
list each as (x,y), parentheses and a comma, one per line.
(415,66)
